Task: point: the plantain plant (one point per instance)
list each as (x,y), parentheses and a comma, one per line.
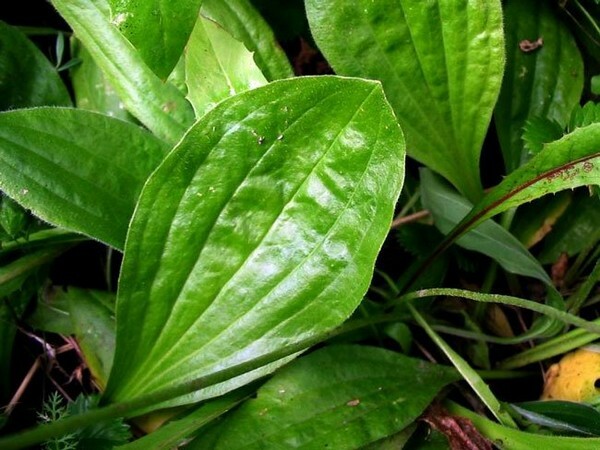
(252,206)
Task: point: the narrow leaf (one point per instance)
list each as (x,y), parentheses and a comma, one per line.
(159,106)
(26,77)
(259,230)
(217,66)
(570,162)
(448,208)
(441,65)
(76,169)
(562,416)
(511,439)
(245,24)
(341,397)
(178,431)
(157,29)
(545,81)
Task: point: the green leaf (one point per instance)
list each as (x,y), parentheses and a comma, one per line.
(440,63)
(77,169)
(533,221)
(570,162)
(91,89)
(511,439)
(585,115)
(576,230)
(537,132)
(570,417)
(27,78)
(545,82)
(176,432)
(94,326)
(217,66)
(245,24)
(157,29)
(97,435)
(259,229)
(340,397)
(13,218)
(448,208)
(159,106)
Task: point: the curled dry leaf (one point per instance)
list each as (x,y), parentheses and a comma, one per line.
(460,431)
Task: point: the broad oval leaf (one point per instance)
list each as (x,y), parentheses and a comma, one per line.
(157,29)
(245,24)
(440,62)
(77,169)
(26,77)
(544,81)
(217,66)
(340,397)
(259,229)
(159,106)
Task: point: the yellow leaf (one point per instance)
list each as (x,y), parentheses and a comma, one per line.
(574,377)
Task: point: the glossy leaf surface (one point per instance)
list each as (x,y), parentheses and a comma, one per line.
(91,88)
(341,397)
(217,66)
(222,269)
(245,24)
(573,417)
(440,63)
(490,238)
(158,29)
(77,169)
(546,81)
(570,162)
(159,106)
(178,431)
(26,77)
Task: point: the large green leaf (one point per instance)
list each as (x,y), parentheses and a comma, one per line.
(448,207)
(259,229)
(245,24)
(77,169)
(217,66)
(159,106)
(570,162)
(440,63)
(26,77)
(340,397)
(545,82)
(158,29)
(91,88)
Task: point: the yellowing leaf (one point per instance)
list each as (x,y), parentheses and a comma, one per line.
(574,377)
